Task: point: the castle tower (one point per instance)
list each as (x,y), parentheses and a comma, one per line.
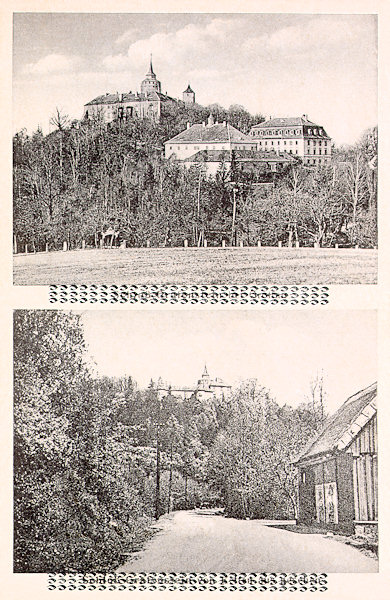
(204,382)
(189,95)
(150,83)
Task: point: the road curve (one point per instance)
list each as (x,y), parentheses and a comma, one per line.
(192,541)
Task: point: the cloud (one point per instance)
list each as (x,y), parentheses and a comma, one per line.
(53,63)
(173,48)
(320,33)
(127,36)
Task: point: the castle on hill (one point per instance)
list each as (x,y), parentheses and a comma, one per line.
(205,389)
(144,104)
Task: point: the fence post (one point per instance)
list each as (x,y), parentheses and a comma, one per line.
(223,244)
(83,245)
(26,249)
(336,245)
(316,245)
(259,244)
(279,244)
(205,243)
(47,247)
(357,247)
(148,243)
(64,246)
(185,243)
(297,244)
(241,244)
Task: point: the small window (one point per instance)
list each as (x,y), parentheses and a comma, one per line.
(285,142)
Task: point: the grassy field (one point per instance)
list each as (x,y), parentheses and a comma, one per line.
(198,265)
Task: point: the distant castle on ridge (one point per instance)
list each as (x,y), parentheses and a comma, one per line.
(206,388)
(145,104)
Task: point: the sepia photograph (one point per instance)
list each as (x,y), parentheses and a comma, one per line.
(152,148)
(195,441)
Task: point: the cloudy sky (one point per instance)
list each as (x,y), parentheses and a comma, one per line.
(279,65)
(282,349)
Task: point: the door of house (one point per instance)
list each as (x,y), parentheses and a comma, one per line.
(326,502)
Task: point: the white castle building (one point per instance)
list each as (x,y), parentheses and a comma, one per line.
(206,388)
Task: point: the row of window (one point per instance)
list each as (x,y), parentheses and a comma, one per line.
(212,147)
(274,132)
(317,161)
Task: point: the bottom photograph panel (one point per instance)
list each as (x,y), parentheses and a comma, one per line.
(213,441)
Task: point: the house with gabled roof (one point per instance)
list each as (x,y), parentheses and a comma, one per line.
(207,136)
(296,135)
(257,163)
(338,470)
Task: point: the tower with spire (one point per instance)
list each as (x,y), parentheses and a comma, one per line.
(189,95)
(150,83)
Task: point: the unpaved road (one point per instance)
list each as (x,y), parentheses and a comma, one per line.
(191,541)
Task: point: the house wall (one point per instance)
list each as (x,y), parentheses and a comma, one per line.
(184,150)
(321,476)
(364,454)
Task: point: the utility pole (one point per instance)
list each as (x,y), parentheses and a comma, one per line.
(234,215)
(157,505)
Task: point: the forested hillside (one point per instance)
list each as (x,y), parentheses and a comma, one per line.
(85,177)
(98,459)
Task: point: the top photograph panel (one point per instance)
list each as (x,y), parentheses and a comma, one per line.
(194,148)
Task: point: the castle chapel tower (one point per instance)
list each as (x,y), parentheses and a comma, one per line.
(150,83)
(189,95)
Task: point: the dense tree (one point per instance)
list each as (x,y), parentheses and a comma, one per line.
(87,176)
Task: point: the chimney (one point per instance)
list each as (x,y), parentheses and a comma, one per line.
(188,125)
(210,121)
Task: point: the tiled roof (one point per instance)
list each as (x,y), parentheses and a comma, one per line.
(240,156)
(129,97)
(285,122)
(338,424)
(213,133)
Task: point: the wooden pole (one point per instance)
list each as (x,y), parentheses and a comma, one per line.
(234,215)
(157,511)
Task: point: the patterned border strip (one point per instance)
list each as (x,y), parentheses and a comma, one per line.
(199,582)
(190,294)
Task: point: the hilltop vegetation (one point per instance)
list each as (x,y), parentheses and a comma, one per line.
(85,177)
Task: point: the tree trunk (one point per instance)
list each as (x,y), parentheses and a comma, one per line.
(170,480)
(185,490)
